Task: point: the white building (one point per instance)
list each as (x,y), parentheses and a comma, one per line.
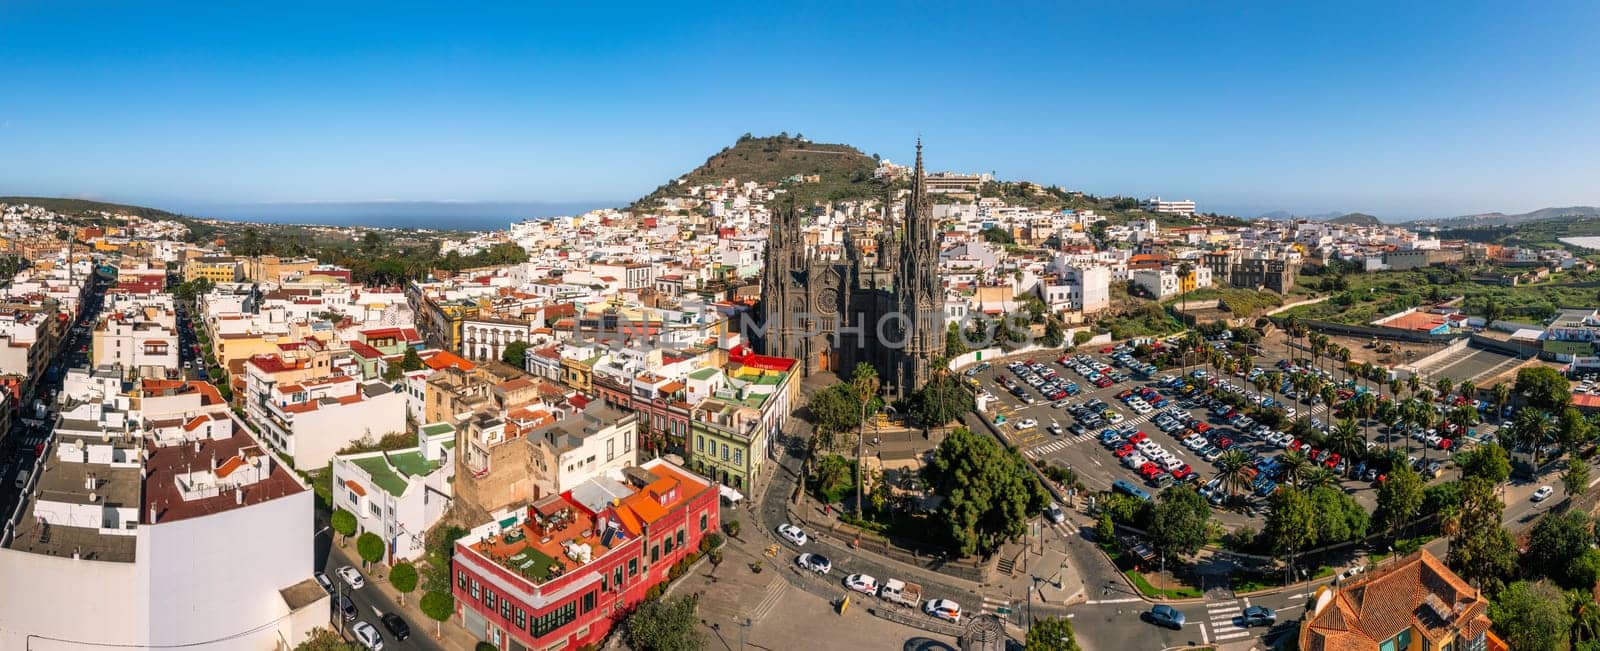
(1088,288)
(1161,283)
(309,421)
(124,540)
(1158,205)
(399,494)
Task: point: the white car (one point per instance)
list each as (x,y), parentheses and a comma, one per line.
(1172,463)
(1027,423)
(944,609)
(861,583)
(1543,493)
(1351,573)
(1134,460)
(368,636)
(792,534)
(322,580)
(814,562)
(351,577)
(1113,417)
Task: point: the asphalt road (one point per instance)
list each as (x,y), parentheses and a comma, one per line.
(371,603)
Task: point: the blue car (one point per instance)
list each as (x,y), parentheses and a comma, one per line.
(1164,615)
(1123,486)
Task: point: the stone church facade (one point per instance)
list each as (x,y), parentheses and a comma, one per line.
(884,307)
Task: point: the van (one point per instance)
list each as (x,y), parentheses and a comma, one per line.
(1123,486)
(22,477)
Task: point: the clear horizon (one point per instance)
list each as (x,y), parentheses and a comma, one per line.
(1397,112)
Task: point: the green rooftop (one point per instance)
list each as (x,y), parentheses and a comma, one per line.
(435,429)
(704,374)
(393,479)
(532,564)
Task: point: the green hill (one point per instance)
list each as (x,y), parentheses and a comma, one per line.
(842,171)
(84,207)
(1356,219)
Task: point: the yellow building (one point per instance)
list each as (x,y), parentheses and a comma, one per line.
(217,269)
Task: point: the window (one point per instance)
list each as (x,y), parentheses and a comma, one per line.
(627,443)
(703,519)
(738,457)
(666,545)
(633,567)
(588,602)
(680,537)
(616,579)
(488,598)
(522,618)
(724,451)
(611,451)
(655,553)
(699,444)
(474,588)
(372,507)
(557,617)
(505,609)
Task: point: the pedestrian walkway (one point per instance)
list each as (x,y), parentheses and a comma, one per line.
(1057,445)
(1220,616)
(992,605)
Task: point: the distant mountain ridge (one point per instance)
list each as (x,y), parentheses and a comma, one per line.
(81,207)
(1502,219)
(1286,215)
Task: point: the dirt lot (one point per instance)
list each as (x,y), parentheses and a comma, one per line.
(1400,352)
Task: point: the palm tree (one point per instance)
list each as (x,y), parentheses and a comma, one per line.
(1233,467)
(1368,406)
(1444,385)
(1469,390)
(1344,356)
(1395,384)
(1413,383)
(1295,464)
(1184,269)
(1329,394)
(864,382)
(1528,429)
(1502,397)
(1319,477)
(1345,438)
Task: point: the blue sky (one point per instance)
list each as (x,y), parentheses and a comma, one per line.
(1396,109)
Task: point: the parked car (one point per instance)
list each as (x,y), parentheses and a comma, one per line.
(367,635)
(861,583)
(352,577)
(944,609)
(397,626)
(792,534)
(1164,615)
(1542,493)
(814,562)
(322,580)
(1054,513)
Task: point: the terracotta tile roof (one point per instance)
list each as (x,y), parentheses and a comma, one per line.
(355,488)
(1417,592)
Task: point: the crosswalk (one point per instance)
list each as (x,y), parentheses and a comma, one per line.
(1040,451)
(1221,615)
(992,605)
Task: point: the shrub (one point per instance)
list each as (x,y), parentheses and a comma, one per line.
(731,528)
(711,541)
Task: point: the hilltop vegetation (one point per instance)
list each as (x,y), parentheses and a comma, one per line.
(1356,219)
(843,172)
(86,208)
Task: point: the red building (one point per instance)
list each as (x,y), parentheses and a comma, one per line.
(560,573)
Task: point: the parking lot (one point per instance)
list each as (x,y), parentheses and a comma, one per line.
(1165,422)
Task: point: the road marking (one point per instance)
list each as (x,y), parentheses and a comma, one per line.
(1128,600)
(1204,639)
(1222,605)
(1232,635)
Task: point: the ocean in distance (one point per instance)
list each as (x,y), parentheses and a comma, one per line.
(440,215)
(1591,243)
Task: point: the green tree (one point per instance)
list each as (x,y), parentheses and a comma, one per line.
(1399,499)
(1532,617)
(939,401)
(1054,334)
(1291,522)
(1051,634)
(515,354)
(410,361)
(835,410)
(989,492)
(370,547)
(1234,469)
(1081,337)
(1481,550)
(1576,477)
(954,345)
(438,606)
(1556,547)
(1105,531)
(343,523)
(1178,523)
(1544,388)
(403,576)
(664,625)
(322,639)
(1489,462)
(1339,518)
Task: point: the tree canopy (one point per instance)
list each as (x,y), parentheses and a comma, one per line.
(1399,499)
(370,547)
(666,624)
(989,492)
(515,354)
(1490,462)
(1532,617)
(1557,546)
(1544,388)
(1481,551)
(1178,522)
(939,401)
(1051,634)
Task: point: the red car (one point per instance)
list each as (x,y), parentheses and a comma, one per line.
(1332,460)
(1137,438)
(1103,382)
(1202,428)
(1224,443)
(1123,451)
(1445,444)
(1182,471)
(1149,470)
(1106,351)
(1125,393)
